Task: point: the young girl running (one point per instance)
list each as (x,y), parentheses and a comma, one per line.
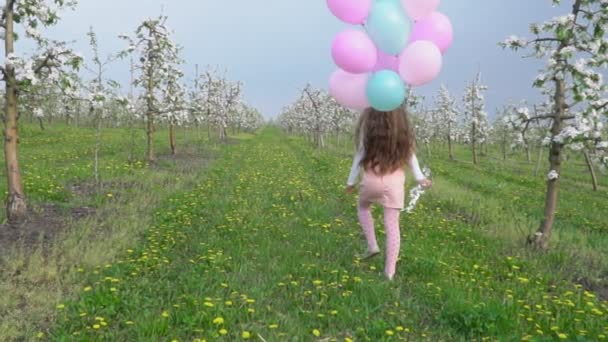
(386,145)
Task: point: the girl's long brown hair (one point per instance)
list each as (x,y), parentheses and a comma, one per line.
(388,140)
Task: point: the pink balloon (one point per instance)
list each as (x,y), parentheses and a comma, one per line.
(349,89)
(386,62)
(351,11)
(354,52)
(418,9)
(420,63)
(436,28)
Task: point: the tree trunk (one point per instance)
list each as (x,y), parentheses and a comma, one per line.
(150,135)
(504,146)
(450,151)
(591,171)
(172,138)
(222,132)
(528,155)
(543,235)
(474,130)
(68,116)
(337,137)
(41,123)
(16,207)
(97,147)
(473,142)
(150,115)
(132,145)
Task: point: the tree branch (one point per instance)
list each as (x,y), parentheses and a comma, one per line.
(546,117)
(605,105)
(548,39)
(9,7)
(47,60)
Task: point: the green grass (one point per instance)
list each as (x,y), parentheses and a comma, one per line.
(263,247)
(35,279)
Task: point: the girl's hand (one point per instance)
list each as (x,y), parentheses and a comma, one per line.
(425,183)
(350,189)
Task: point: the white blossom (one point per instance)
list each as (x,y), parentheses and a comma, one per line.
(553,175)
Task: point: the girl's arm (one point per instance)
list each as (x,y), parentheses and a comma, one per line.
(356,168)
(415,166)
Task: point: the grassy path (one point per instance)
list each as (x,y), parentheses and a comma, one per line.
(264,249)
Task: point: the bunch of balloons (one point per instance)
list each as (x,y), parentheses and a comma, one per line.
(394,51)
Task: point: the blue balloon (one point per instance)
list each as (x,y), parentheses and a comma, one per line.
(386,91)
(388,26)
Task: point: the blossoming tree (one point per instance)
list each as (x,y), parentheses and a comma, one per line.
(20,71)
(574,48)
(158,55)
(475,114)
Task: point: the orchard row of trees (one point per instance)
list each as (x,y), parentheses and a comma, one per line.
(572,117)
(317,116)
(56,83)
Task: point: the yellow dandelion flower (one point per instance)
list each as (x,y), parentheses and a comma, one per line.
(96,326)
(218,321)
(61,306)
(273,326)
(40,335)
(223,332)
(208,304)
(228,302)
(399,328)
(390,332)
(562,336)
(87,289)
(165,314)
(246,335)
(316,332)
(129,322)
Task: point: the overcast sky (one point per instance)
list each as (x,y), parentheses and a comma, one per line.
(276,46)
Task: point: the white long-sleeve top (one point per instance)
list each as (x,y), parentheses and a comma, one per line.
(356,168)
